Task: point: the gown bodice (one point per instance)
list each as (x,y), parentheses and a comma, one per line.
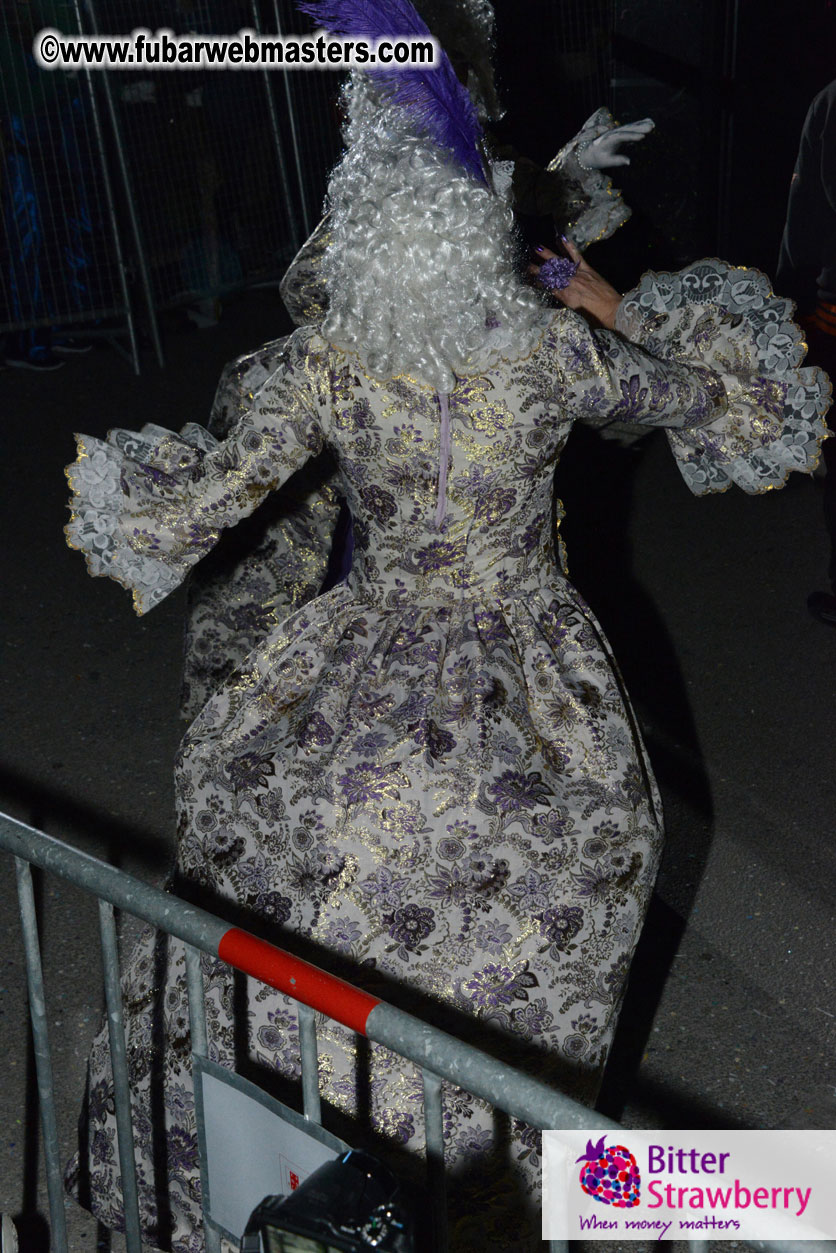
(451,495)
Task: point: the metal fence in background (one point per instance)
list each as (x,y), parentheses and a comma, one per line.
(682,75)
(582,35)
(62,247)
(439,1055)
(220,166)
(128,193)
(305,97)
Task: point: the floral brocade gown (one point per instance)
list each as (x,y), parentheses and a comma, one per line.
(283,557)
(428,779)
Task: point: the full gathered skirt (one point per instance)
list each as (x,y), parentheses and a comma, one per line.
(450,806)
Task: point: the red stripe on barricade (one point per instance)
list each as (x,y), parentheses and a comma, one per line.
(299,979)
(822,319)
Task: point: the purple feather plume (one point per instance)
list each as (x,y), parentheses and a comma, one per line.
(439,104)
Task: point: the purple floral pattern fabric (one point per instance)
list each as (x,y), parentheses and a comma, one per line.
(427,779)
(265,569)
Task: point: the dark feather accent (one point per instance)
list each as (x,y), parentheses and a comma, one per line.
(438,103)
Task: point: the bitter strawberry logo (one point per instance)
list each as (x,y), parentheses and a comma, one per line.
(610,1175)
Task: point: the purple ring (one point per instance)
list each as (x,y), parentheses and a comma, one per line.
(557,273)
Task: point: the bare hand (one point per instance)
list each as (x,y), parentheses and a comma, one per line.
(587,292)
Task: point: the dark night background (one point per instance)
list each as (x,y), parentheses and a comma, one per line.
(728,83)
(729,1020)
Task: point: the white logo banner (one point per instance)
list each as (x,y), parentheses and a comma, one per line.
(689,1185)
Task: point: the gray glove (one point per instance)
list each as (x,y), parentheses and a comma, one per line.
(603,154)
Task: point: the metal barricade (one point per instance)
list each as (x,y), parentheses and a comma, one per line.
(223,170)
(439,1055)
(310,104)
(582,40)
(62,250)
(168,188)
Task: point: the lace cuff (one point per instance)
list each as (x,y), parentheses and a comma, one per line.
(601,209)
(113,483)
(728,318)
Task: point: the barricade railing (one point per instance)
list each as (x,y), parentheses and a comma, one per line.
(123,194)
(223,172)
(63,251)
(438,1055)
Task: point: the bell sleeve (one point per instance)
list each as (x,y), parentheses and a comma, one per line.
(728,320)
(148,505)
(271,565)
(711,355)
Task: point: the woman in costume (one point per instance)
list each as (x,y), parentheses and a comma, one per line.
(428,779)
(301,542)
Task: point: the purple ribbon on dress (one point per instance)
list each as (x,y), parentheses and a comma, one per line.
(443,456)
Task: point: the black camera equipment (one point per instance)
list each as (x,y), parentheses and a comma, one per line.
(349,1205)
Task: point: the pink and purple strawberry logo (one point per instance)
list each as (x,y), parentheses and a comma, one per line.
(610,1175)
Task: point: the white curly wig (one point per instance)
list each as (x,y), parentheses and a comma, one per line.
(420,270)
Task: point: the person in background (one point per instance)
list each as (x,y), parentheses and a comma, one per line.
(807,272)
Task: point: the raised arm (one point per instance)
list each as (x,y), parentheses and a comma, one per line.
(148,505)
(711,354)
(596,208)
